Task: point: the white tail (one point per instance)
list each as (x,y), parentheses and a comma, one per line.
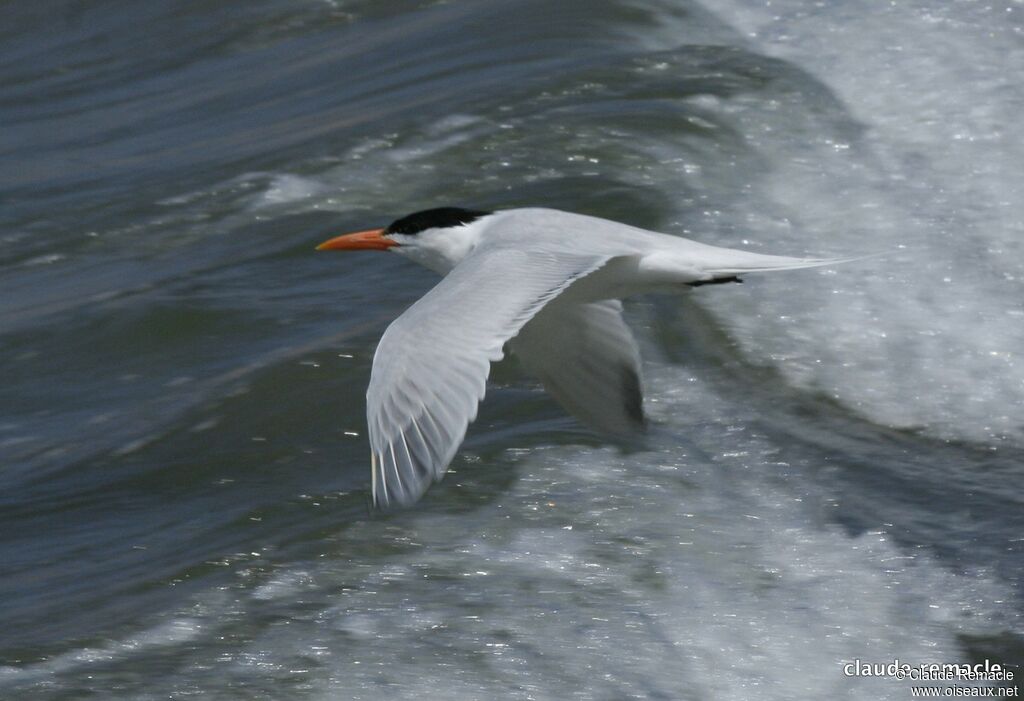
(738,262)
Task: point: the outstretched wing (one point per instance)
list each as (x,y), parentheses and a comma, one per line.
(587,359)
(430,369)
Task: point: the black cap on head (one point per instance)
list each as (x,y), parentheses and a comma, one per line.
(434,218)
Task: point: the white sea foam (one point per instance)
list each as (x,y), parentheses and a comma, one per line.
(286,188)
(176,631)
(571,583)
(929,337)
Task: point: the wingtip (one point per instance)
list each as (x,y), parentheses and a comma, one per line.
(373,481)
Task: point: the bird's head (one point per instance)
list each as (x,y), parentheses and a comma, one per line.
(436,238)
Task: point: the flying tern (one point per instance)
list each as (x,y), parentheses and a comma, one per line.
(547,283)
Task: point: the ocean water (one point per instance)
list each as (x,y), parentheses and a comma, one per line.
(834,467)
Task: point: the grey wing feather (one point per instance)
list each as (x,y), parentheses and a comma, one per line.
(431,366)
(587,359)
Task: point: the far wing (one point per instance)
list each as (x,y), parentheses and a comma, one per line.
(587,359)
(431,366)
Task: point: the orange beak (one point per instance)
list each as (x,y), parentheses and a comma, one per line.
(372,240)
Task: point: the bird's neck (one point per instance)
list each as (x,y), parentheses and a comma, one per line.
(442,249)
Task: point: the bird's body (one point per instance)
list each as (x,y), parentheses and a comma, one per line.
(545,281)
